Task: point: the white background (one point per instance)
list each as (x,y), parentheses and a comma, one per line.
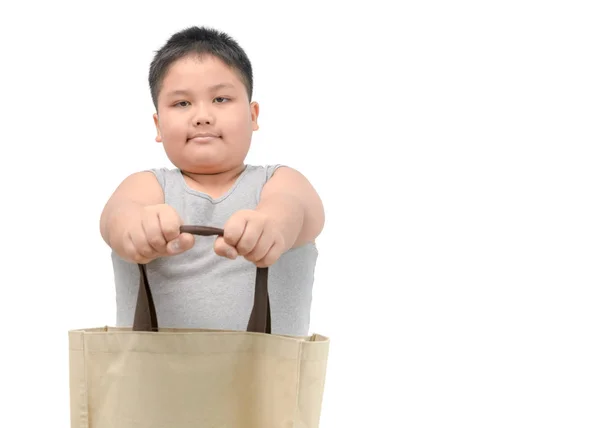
(456,148)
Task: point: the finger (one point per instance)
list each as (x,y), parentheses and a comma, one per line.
(131,251)
(138,238)
(272,255)
(262,247)
(223,249)
(184,242)
(252,233)
(234,228)
(170,223)
(153,232)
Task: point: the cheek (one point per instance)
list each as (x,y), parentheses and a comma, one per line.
(240,122)
(172,127)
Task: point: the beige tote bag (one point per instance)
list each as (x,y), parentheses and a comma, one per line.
(148,377)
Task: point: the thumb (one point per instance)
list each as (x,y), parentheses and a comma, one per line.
(182,243)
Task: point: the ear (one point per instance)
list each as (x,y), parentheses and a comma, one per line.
(158,136)
(254,109)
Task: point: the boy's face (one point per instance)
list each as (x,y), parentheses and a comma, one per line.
(205,120)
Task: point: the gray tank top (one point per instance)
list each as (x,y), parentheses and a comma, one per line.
(198,289)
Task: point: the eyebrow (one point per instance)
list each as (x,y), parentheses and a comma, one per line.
(221,86)
(212,88)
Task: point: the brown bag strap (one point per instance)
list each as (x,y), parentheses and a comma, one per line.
(260,318)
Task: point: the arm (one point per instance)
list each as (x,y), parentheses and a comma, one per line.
(135,192)
(138,225)
(289,214)
(291,201)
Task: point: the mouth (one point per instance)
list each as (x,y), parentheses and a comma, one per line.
(204,137)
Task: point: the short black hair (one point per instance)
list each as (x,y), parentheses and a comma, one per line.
(200,41)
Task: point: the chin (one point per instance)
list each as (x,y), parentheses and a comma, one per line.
(204,163)
(206,168)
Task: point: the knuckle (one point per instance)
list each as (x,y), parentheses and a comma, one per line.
(145,251)
(149,210)
(139,259)
(167,210)
(244,248)
(171,231)
(170,228)
(131,254)
(233,228)
(148,213)
(262,219)
(278,241)
(127,245)
(252,257)
(230,238)
(156,240)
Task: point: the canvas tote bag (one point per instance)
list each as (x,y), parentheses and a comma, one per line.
(149,377)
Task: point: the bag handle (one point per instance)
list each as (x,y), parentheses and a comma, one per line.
(260,318)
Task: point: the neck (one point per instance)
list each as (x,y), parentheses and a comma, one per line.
(216,183)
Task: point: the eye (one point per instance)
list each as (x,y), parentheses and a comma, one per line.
(182,104)
(221,100)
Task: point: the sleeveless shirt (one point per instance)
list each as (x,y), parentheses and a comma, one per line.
(198,288)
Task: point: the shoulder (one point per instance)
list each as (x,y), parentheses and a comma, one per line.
(162,171)
(263,172)
(164,175)
(267,172)
(279,175)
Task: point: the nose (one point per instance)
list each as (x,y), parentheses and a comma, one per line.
(203,115)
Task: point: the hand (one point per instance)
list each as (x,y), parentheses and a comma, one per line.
(252,235)
(146,233)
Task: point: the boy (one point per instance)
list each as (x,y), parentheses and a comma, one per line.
(201,86)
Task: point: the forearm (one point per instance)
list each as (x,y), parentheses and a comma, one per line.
(291,201)
(113,214)
(288,213)
(135,192)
